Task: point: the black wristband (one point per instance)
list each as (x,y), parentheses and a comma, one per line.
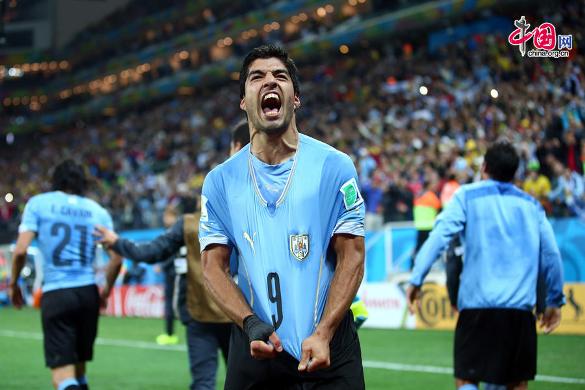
(256,329)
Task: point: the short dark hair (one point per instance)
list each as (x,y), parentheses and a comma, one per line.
(69,176)
(269,51)
(241,133)
(501,161)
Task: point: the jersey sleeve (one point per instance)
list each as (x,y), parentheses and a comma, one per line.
(345,196)
(214,214)
(30,216)
(106,220)
(550,265)
(449,223)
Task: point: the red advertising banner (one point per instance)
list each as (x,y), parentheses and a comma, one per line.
(136,301)
(4,273)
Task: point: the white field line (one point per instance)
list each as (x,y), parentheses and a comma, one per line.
(100,341)
(449,371)
(366,363)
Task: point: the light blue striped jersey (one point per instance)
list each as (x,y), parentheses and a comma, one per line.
(64,224)
(285,263)
(507,241)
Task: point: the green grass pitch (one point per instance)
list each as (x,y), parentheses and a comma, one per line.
(127,358)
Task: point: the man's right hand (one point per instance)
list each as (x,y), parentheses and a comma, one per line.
(105,236)
(551,319)
(264,342)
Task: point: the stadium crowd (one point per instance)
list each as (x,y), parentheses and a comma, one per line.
(142,53)
(411,119)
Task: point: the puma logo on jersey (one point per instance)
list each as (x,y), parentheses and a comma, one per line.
(250,240)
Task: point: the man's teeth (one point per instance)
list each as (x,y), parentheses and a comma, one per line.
(271,96)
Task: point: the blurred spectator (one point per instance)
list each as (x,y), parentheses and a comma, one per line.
(537,185)
(6,211)
(449,189)
(426,208)
(568,191)
(398,202)
(572,151)
(373,193)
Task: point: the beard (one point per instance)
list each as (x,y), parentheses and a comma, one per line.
(275,127)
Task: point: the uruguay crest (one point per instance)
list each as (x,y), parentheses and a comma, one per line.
(299,245)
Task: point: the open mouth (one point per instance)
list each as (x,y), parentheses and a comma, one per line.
(271,105)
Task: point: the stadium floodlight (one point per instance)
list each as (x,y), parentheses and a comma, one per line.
(423,90)
(494,93)
(9,197)
(15,72)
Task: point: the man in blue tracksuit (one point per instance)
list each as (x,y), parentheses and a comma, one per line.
(508,244)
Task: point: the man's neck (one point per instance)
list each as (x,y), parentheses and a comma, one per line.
(274,148)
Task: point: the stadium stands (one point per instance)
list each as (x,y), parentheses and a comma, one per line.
(402,111)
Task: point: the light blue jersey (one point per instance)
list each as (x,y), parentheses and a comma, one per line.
(508,241)
(285,263)
(64,225)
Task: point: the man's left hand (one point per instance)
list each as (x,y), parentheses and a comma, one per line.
(104,295)
(315,353)
(551,319)
(413,298)
(15,295)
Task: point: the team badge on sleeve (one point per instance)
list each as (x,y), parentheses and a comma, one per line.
(351,194)
(299,245)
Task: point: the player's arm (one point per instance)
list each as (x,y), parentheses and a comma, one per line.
(449,223)
(18,260)
(157,250)
(216,250)
(112,270)
(215,260)
(29,225)
(348,275)
(551,270)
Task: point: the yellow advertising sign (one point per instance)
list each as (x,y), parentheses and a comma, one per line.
(435,311)
(573,313)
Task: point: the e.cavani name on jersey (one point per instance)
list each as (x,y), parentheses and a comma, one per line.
(285,262)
